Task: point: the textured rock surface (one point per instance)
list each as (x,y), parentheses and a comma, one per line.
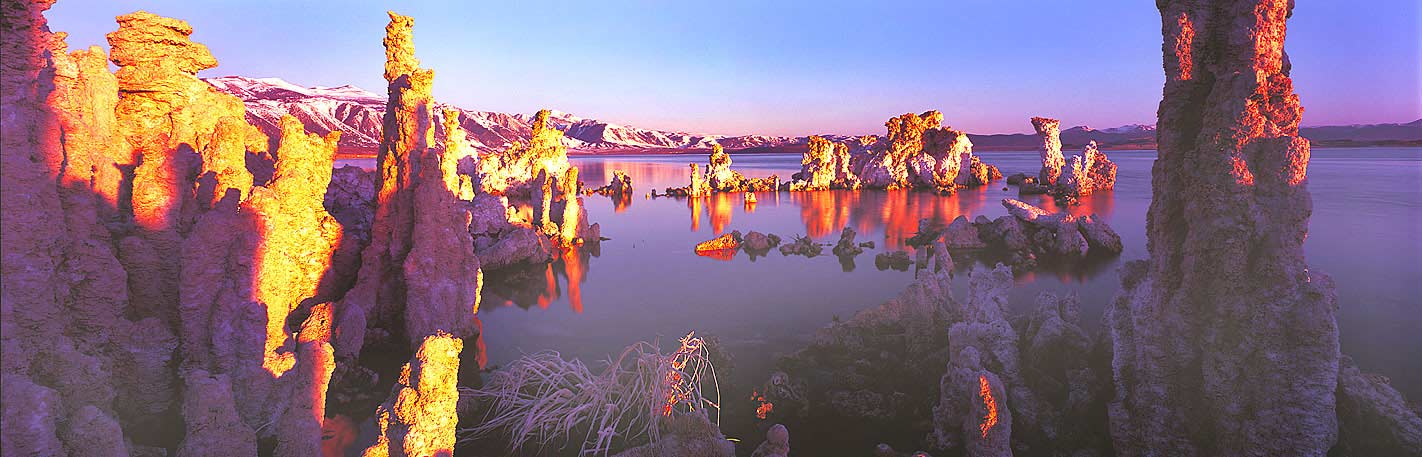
(419,268)
(962,234)
(776,444)
(1049,130)
(868,368)
(442,276)
(214,426)
(1225,343)
(719,174)
(690,434)
(1087,172)
(825,165)
(247,267)
(419,417)
(982,377)
(515,170)
(131,218)
(171,121)
(1373,418)
(918,151)
(1066,374)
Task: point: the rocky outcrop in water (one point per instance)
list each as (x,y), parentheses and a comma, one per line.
(515,170)
(1087,172)
(419,417)
(1373,418)
(1224,341)
(776,444)
(825,165)
(1049,130)
(1068,177)
(918,151)
(619,185)
(982,375)
(720,177)
(719,174)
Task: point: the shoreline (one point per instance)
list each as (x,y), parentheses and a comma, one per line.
(757,151)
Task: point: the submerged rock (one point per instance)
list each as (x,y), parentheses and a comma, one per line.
(898,260)
(759,242)
(802,245)
(685,434)
(776,444)
(846,246)
(962,234)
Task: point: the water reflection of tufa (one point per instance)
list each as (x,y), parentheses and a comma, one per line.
(540,284)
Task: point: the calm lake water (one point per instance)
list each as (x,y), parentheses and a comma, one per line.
(647,284)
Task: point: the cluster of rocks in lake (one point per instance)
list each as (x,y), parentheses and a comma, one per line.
(1223,342)
(1023,239)
(177,282)
(917,152)
(1062,177)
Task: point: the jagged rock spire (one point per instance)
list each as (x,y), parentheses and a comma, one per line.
(1225,343)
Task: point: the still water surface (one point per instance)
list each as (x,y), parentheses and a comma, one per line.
(647,284)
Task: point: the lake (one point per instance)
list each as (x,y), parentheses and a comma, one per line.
(647,284)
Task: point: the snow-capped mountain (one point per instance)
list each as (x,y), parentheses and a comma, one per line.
(358,113)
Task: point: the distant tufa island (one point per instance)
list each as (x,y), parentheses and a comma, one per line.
(357,113)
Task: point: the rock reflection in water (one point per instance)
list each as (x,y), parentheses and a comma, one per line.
(540,285)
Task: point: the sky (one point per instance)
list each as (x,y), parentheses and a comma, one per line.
(790,68)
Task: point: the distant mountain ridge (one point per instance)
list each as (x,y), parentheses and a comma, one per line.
(358,113)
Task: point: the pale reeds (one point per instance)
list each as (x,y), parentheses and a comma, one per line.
(544,401)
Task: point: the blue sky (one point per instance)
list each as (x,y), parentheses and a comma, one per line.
(791,67)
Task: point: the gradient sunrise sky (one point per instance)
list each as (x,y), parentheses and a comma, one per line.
(788,68)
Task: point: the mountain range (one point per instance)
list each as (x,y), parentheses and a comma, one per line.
(358,113)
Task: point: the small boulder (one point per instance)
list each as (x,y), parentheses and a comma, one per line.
(777,443)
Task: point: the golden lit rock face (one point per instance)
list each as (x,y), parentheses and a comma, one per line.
(419,267)
(246,268)
(918,151)
(297,236)
(515,171)
(300,426)
(1225,342)
(419,417)
(825,165)
(170,119)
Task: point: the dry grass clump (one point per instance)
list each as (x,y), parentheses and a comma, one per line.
(544,401)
